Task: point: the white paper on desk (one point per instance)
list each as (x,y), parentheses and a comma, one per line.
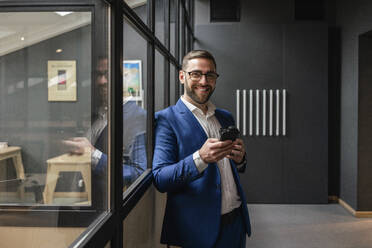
(3,145)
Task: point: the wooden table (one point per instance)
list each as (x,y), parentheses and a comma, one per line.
(14,153)
(63,163)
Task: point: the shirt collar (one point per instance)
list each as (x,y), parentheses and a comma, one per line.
(194,109)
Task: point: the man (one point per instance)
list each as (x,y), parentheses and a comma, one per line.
(206,206)
(96,140)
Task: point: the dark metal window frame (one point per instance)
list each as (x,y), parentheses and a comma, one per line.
(109,225)
(136,191)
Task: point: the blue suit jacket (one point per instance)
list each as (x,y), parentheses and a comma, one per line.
(134,153)
(134,143)
(193,210)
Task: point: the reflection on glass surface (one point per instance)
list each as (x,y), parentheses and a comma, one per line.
(181,35)
(134,113)
(172,24)
(159,20)
(47,117)
(140,7)
(53,121)
(173,82)
(159,81)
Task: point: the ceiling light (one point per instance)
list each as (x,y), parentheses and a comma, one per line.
(59,50)
(22,38)
(62,13)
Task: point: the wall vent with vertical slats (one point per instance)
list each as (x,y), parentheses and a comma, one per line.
(225,11)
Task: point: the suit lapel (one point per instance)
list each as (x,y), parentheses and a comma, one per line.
(222,119)
(191,120)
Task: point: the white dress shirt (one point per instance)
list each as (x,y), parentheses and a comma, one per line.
(230,198)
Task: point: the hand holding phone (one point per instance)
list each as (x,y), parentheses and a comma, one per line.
(229,133)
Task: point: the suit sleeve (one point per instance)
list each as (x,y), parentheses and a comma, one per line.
(170,174)
(136,164)
(101,166)
(133,166)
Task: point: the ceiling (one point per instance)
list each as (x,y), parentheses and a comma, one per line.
(21,29)
(135,3)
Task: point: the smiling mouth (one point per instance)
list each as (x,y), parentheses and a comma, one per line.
(203,89)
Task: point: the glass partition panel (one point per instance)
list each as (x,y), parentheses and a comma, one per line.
(140,7)
(46,108)
(160,20)
(159,81)
(187,5)
(187,40)
(173,16)
(53,124)
(173,82)
(182,27)
(134,102)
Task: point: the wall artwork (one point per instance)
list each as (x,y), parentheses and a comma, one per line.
(62,84)
(132,79)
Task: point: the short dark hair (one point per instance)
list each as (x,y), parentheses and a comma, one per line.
(195,54)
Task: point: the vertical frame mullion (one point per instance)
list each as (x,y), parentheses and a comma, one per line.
(182,34)
(183,30)
(192,24)
(116,123)
(150,82)
(167,45)
(177,46)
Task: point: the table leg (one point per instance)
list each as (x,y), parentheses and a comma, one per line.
(50,184)
(86,173)
(18,165)
(17,159)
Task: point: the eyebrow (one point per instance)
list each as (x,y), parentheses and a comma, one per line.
(202,72)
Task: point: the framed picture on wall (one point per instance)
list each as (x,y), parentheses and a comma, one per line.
(132,80)
(62,84)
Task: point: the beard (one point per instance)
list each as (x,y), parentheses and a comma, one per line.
(190,92)
(103,95)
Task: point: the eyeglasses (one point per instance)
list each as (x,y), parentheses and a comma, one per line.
(102,73)
(197,75)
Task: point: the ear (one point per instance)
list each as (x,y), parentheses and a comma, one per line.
(182,76)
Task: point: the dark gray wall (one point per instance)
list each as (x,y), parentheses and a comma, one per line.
(305,158)
(365,123)
(354,18)
(268,50)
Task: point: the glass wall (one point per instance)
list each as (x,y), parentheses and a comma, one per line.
(173,23)
(139,7)
(173,82)
(134,104)
(61,163)
(46,104)
(159,81)
(162,62)
(160,20)
(54,86)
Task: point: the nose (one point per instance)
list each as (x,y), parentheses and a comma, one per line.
(203,79)
(102,80)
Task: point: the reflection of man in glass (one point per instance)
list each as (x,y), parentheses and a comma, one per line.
(134,133)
